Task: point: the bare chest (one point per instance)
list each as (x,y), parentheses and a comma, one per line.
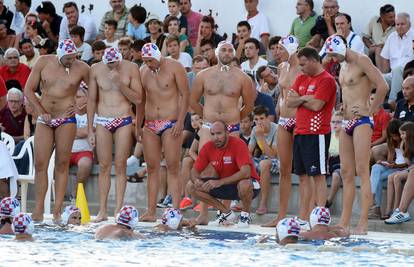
(159,84)
(53,79)
(222,86)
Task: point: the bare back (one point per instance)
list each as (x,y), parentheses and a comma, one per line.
(356,88)
(58,87)
(161,91)
(287,77)
(111,101)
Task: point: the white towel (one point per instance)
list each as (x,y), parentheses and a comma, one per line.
(8,169)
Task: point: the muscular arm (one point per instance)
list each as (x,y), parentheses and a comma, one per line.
(31,86)
(196,93)
(182,85)
(140,111)
(377,80)
(26,128)
(249,96)
(134,91)
(243,173)
(92,99)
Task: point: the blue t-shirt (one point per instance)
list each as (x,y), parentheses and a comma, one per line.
(138,33)
(266,101)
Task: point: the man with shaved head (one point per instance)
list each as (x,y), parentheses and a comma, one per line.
(404,110)
(234,178)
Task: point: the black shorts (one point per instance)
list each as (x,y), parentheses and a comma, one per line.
(230,191)
(310,154)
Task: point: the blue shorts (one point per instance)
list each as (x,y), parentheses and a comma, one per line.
(230,191)
(350,125)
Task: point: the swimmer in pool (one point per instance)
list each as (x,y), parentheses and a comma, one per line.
(71,216)
(114,84)
(126,221)
(172,220)
(320,219)
(9,207)
(287,231)
(23,227)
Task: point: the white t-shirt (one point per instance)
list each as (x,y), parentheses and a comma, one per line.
(85,21)
(113,44)
(81,144)
(85,52)
(185,60)
(399,50)
(259,25)
(245,66)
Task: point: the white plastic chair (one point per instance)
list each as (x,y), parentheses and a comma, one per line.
(9,141)
(26,179)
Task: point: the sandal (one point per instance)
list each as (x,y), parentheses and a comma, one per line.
(135,179)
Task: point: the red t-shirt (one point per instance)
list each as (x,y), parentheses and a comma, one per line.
(21,75)
(381,120)
(193,23)
(3,89)
(323,87)
(227,160)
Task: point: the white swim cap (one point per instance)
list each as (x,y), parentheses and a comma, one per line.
(150,50)
(290,43)
(320,215)
(224,43)
(22,224)
(69,210)
(172,218)
(287,227)
(335,45)
(128,216)
(66,47)
(111,55)
(9,207)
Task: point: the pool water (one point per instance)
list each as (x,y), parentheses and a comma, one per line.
(76,246)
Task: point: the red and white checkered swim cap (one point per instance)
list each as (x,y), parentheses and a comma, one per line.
(23,224)
(150,50)
(320,215)
(290,43)
(111,55)
(9,207)
(172,217)
(128,216)
(335,45)
(287,227)
(66,47)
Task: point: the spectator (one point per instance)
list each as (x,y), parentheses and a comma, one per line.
(268,82)
(14,70)
(404,110)
(35,32)
(73,18)
(325,24)
(13,115)
(397,51)
(124,46)
(381,119)
(136,19)
(244,33)
(50,20)
(29,53)
(199,63)
(22,9)
(193,21)
(154,27)
(344,27)
(46,47)
(235,178)
(7,15)
(253,62)
(136,52)
(266,101)
(207,50)
(119,13)
(262,146)
(377,32)
(174,11)
(382,169)
(98,49)
(303,24)
(401,214)
(173,49)
(258,22)
(273,47)
(84,49)
(31,18)
(82,155)
(246,127)
(207,32)
(6,40)
(171,26)
(109,33)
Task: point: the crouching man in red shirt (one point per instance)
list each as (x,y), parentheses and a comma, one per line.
(235,179)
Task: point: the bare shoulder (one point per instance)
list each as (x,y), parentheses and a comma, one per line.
(42,61)
(95,67)
(364,61)
(83,65)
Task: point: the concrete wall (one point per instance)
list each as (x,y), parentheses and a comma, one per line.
(228,12)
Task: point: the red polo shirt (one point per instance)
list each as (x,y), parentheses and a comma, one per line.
(21,75)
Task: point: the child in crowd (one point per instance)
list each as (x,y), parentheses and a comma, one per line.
(381,170)
(98,49)
(136,52)
(9,207)
(172,27)
(84,49)
(109,33)
(246,126)
(173,49)
(174,10)
(124,46)
(136,20)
